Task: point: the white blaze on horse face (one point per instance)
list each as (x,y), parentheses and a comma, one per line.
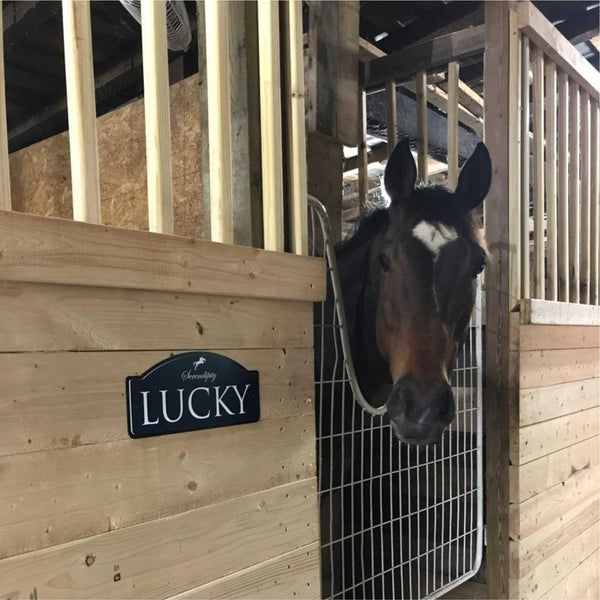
(434,235)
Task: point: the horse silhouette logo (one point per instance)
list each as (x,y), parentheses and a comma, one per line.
(199,362)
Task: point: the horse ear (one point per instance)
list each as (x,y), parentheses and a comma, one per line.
(400,173)
(475,178)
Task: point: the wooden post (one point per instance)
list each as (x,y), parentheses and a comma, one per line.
(584,283)
(551,229)
(219,119)
(594,205)
(363,160)
(157,116)
(539,275)
(452,124)
(563,187)
(525,256)
(270,118)
(574,209)
(502,276)
(295,130)
(81,104)
(422,134)
(391,114)
(5,201)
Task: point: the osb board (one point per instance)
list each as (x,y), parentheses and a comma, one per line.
(41,175)
(171,555)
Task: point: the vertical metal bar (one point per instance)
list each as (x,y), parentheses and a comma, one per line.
(574,208)
(585,199)
(563,188)
(539,275)
(422,132)
(551,226)
(525,279)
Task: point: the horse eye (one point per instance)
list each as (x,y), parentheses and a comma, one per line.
(384,262)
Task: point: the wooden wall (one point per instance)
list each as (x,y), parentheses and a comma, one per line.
(87,512)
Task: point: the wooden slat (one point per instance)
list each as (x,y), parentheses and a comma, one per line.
(470,99)
(157,116)
(363,160)
(539,439)
(553,337)
(574,208)
(422,130)
(527,553)
(173,554)
(270,120)
(551,206)
(5,200)
(552,470)
(544,312)
(548,367)
(391,115)
(558,48)
(584,283)
(216,18)
(81,102)
(46,250)
(56,496)
(581,583)
(294,574)
(296,140)
(541,404)
(51,397)
(594,205)
(452,124)
(563,188)
(525,189)
(539,274)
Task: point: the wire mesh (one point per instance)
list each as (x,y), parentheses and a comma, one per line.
(397,521)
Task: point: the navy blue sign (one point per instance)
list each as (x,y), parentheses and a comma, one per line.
(191,391)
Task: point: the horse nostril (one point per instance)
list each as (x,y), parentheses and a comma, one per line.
(446,411)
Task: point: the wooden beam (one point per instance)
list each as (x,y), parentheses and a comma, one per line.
(270,113)
(554,45)
(594,205)
(216,21)
(524,155)
(295,127)
(422,136)
(363,163)
(574,196)
(584,283)
(391,111)
(452,116)
(429,55)
(544,312)
(563,187)
(157,116)
(83,141)
(539,274)
(5,200)
(551,227)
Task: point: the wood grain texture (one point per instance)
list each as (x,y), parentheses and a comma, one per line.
(294,574)
(594,203)
(422,127)
(55,251)
(56,496)
(555,337)
(563,187)
(5,199)
(539,238)
(552,470)
(44,317)
(173,554)
(585,199)
(550,183)
(544,312)
(452,119)
(61,400)
(525,247)
(574,195)
(548,367)
(581,582)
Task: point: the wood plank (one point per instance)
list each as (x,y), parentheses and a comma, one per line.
(391,117)
(549,573)
(529,552)
(294,574)
(56,496)
(544,312)
(581,583)
(216,19)
(173,554)
(81,103)
(469,590)
(295,127)
(47,250)
(584,284)
(525,167)
(546,37)
(547,507)
(157,116)
(594,205)
(363,161)
(452,125)
(270,122)
(48,401)
(574,196)
(548,367)
(550,184)
(539,439)
(549,337)
(5,199)
(422,130)
(563,187)
(539,274)
(552,470)
(541,404)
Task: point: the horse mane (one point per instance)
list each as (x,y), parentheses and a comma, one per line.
(367,229)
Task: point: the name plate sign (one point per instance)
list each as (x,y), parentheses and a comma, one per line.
(191,391)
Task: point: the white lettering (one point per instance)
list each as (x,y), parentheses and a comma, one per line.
(219,399)
(241,398)
(191,398)
(147,421)
(164,406)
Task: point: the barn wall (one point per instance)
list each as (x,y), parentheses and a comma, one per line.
(554,452)
(41,174)
(87,512)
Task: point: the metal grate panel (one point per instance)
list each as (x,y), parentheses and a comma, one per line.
(397,521)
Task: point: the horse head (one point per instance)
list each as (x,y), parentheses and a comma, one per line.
(422,275)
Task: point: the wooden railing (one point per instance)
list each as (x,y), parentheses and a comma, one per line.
(274,57)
